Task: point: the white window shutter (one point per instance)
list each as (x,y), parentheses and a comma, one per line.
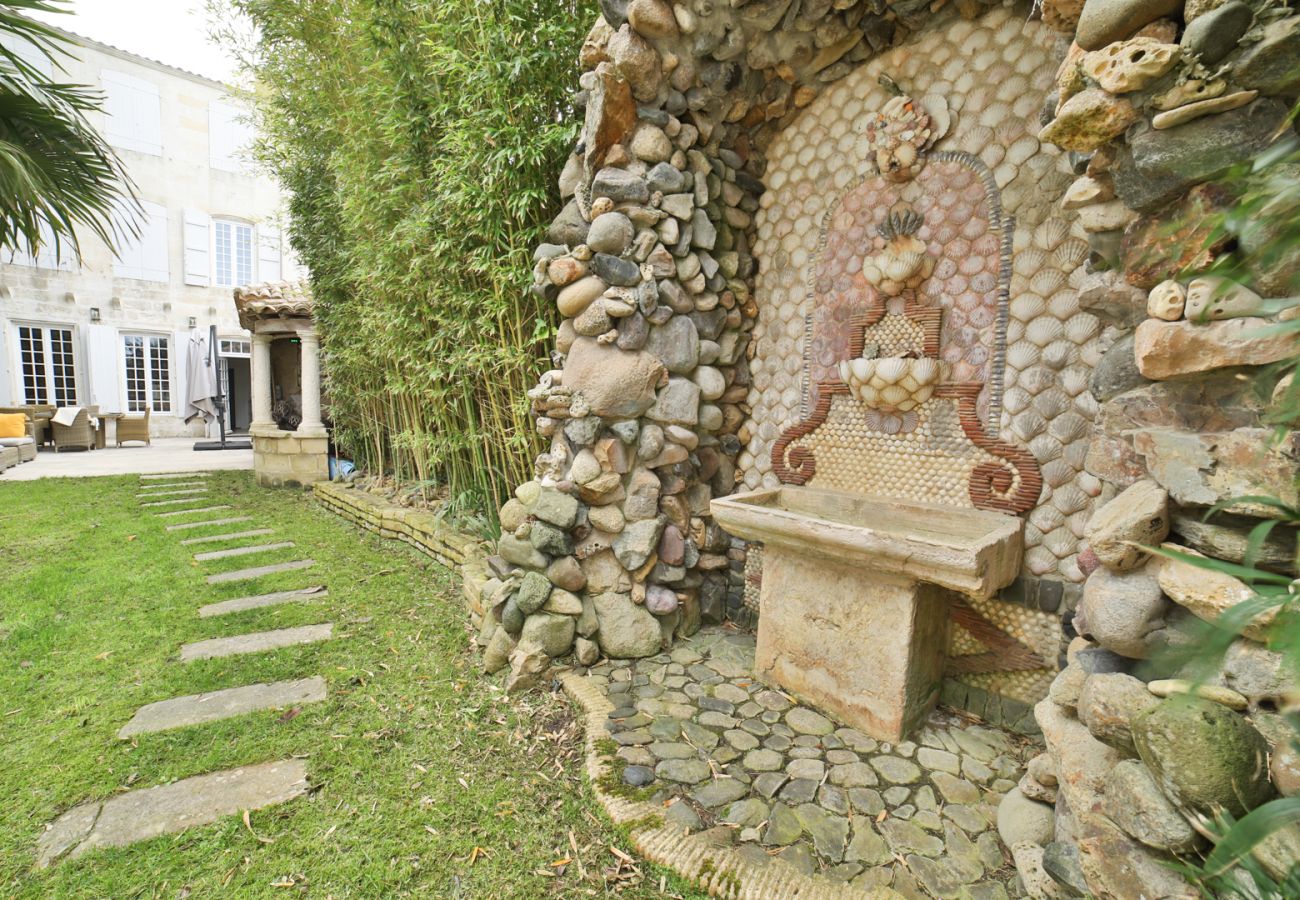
(154,264)
(269,266)
(198,267)
(103,367)
(132,113)
(6,374)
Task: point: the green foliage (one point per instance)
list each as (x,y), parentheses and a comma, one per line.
(419,145)
(1262,229)
(1262,226)
(56,172)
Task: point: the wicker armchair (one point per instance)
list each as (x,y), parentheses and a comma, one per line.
(78,434)
(133,429)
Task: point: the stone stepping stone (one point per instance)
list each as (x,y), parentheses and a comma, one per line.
(151,494)
(167,485)
(259,571)
(242,551)
(177,502)
(257,642)
(161,475)
(214,538)
(239,604)
(148,812)
(198,709)
(197,509)
(186,526)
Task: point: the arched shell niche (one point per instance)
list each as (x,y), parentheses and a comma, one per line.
(994,73)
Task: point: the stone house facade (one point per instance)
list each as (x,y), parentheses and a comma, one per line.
(112,329)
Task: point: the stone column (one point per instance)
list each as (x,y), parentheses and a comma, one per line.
(261,366)
(310,350)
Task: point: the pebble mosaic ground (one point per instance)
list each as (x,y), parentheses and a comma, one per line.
(749,766)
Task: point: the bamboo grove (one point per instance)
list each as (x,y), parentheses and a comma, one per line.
(418,146)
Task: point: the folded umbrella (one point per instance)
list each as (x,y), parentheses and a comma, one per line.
(200,379)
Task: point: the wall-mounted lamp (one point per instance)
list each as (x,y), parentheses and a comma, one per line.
(94,314)
(194,323)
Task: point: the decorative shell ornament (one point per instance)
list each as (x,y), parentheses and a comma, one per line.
(898,135)
(893,384)
(903,264)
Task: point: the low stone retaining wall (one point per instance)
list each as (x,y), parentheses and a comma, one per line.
(417,527)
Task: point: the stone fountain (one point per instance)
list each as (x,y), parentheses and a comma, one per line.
(896,496)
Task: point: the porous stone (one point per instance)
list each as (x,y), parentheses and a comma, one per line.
(1204,755)
(1088,120)
(1211,299)
(1138,517)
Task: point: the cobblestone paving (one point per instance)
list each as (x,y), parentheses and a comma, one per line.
(748,766)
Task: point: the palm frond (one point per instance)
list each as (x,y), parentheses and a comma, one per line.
(57,174)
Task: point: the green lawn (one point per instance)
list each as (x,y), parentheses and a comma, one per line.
(415,759)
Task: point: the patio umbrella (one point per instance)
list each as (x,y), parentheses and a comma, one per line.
(201,379)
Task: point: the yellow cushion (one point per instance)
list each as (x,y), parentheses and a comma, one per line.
(13,425)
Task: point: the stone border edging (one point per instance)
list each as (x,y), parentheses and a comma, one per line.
(719,870)
(417,527)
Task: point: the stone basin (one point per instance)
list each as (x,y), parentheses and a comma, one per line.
(855,595)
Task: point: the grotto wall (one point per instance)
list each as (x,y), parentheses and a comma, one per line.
(725,205)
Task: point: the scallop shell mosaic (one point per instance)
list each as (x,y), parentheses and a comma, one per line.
(1006,268)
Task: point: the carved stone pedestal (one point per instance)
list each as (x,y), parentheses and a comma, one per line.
(867,648)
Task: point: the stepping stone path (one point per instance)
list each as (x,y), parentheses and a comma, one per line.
(213,706)
(259,571)
(148,812)
(188,512)
(241,551)
(240,604)
(174,475)
(256,642)
(695,731)
(176,493)
(145,813)
(231,520)
(234,535)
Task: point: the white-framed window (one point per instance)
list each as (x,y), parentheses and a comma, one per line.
(48,364)
(132,112)
(148,371)
(235,347)
(229,136)
(143,255)
(232,253)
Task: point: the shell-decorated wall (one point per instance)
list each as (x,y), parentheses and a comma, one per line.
(821,216)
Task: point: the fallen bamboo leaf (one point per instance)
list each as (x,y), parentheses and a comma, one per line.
(248,823)
(289,715)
